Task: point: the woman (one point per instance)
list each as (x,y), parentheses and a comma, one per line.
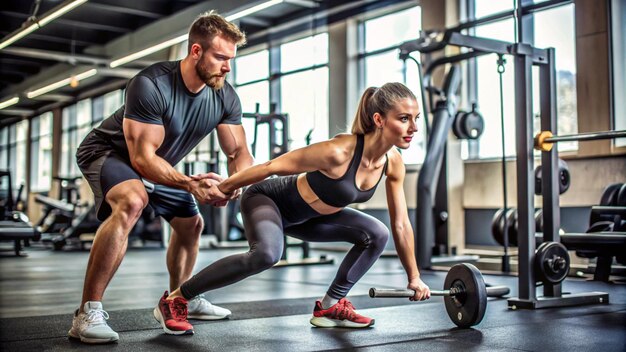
(309,202)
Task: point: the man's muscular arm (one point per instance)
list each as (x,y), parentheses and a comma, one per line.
(232,139)
(143,140)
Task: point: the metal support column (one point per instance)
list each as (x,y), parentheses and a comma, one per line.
(549,161)
(525,171)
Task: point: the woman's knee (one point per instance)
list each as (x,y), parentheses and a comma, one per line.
(380,235)
(375,236)
(265,257)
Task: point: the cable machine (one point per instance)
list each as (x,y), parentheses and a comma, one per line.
(524,57)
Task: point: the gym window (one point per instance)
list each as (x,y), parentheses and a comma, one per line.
(618,50)
(379,63)
(298,86)
(17,152)
(105,105)
(551,27)
(76,124)
(304,88)
(253,87)
(41,153)
(4,148)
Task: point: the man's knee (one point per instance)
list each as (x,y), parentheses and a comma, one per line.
(130,205)
(197,225)
(188,229)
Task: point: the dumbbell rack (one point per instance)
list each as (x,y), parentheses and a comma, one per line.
(525,56)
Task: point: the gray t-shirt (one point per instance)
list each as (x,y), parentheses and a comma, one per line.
(158,95)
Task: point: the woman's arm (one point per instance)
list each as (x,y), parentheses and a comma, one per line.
(318,156)
(401,226)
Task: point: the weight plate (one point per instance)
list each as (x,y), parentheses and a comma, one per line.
(466,309)
(473,125)
(620,200)
(551,262)
(564,177)
(610,194)
(511,220)
(497,226)
(563,182)
(457,125)
(539,220)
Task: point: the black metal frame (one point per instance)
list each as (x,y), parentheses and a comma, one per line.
(553,296)
(525,57)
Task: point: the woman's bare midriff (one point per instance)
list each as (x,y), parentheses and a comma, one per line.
(312,199)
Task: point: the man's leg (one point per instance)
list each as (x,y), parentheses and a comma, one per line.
(181,258)
(127,201)
(183,248)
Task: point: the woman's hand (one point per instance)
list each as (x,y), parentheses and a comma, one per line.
(422,291)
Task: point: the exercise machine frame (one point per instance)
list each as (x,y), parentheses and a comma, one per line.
(525,56)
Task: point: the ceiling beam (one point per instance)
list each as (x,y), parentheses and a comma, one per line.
(168,28)
(255,21)
(92,26)
(16,112)
(65,57)
(125,10)
(50,38)
(54,97)
(56,56)
(304,3)
(99,55)
(78,24)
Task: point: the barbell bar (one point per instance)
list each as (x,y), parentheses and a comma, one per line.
(465,294)
(544,140)
(492,291)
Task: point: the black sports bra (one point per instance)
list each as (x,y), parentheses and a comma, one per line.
(343,191)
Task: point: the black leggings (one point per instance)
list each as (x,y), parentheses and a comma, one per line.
(274,207)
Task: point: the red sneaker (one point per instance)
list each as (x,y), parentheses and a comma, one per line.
(172,314)
(342,314)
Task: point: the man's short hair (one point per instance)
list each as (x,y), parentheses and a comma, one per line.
(208,25)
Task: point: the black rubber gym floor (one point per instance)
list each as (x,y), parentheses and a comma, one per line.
(271,311)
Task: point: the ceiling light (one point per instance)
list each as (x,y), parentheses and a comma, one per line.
(183,37)
(9,102)
(147,51)
(45,19)
(61,83)
(253,9)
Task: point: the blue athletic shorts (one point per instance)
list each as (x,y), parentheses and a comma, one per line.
(111,169)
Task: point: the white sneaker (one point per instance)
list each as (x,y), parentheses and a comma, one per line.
(90,326)
(200,308)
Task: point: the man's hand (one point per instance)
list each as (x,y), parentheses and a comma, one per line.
(208,175)
(215,177)
(422,291)
(206,192)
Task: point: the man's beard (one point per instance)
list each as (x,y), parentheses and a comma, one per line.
(215,81)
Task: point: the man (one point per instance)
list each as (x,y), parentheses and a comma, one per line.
(128,161)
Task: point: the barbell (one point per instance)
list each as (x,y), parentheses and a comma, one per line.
(465,294)
(545,139)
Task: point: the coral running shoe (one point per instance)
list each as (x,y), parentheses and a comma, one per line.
(342,314)
(172,314)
